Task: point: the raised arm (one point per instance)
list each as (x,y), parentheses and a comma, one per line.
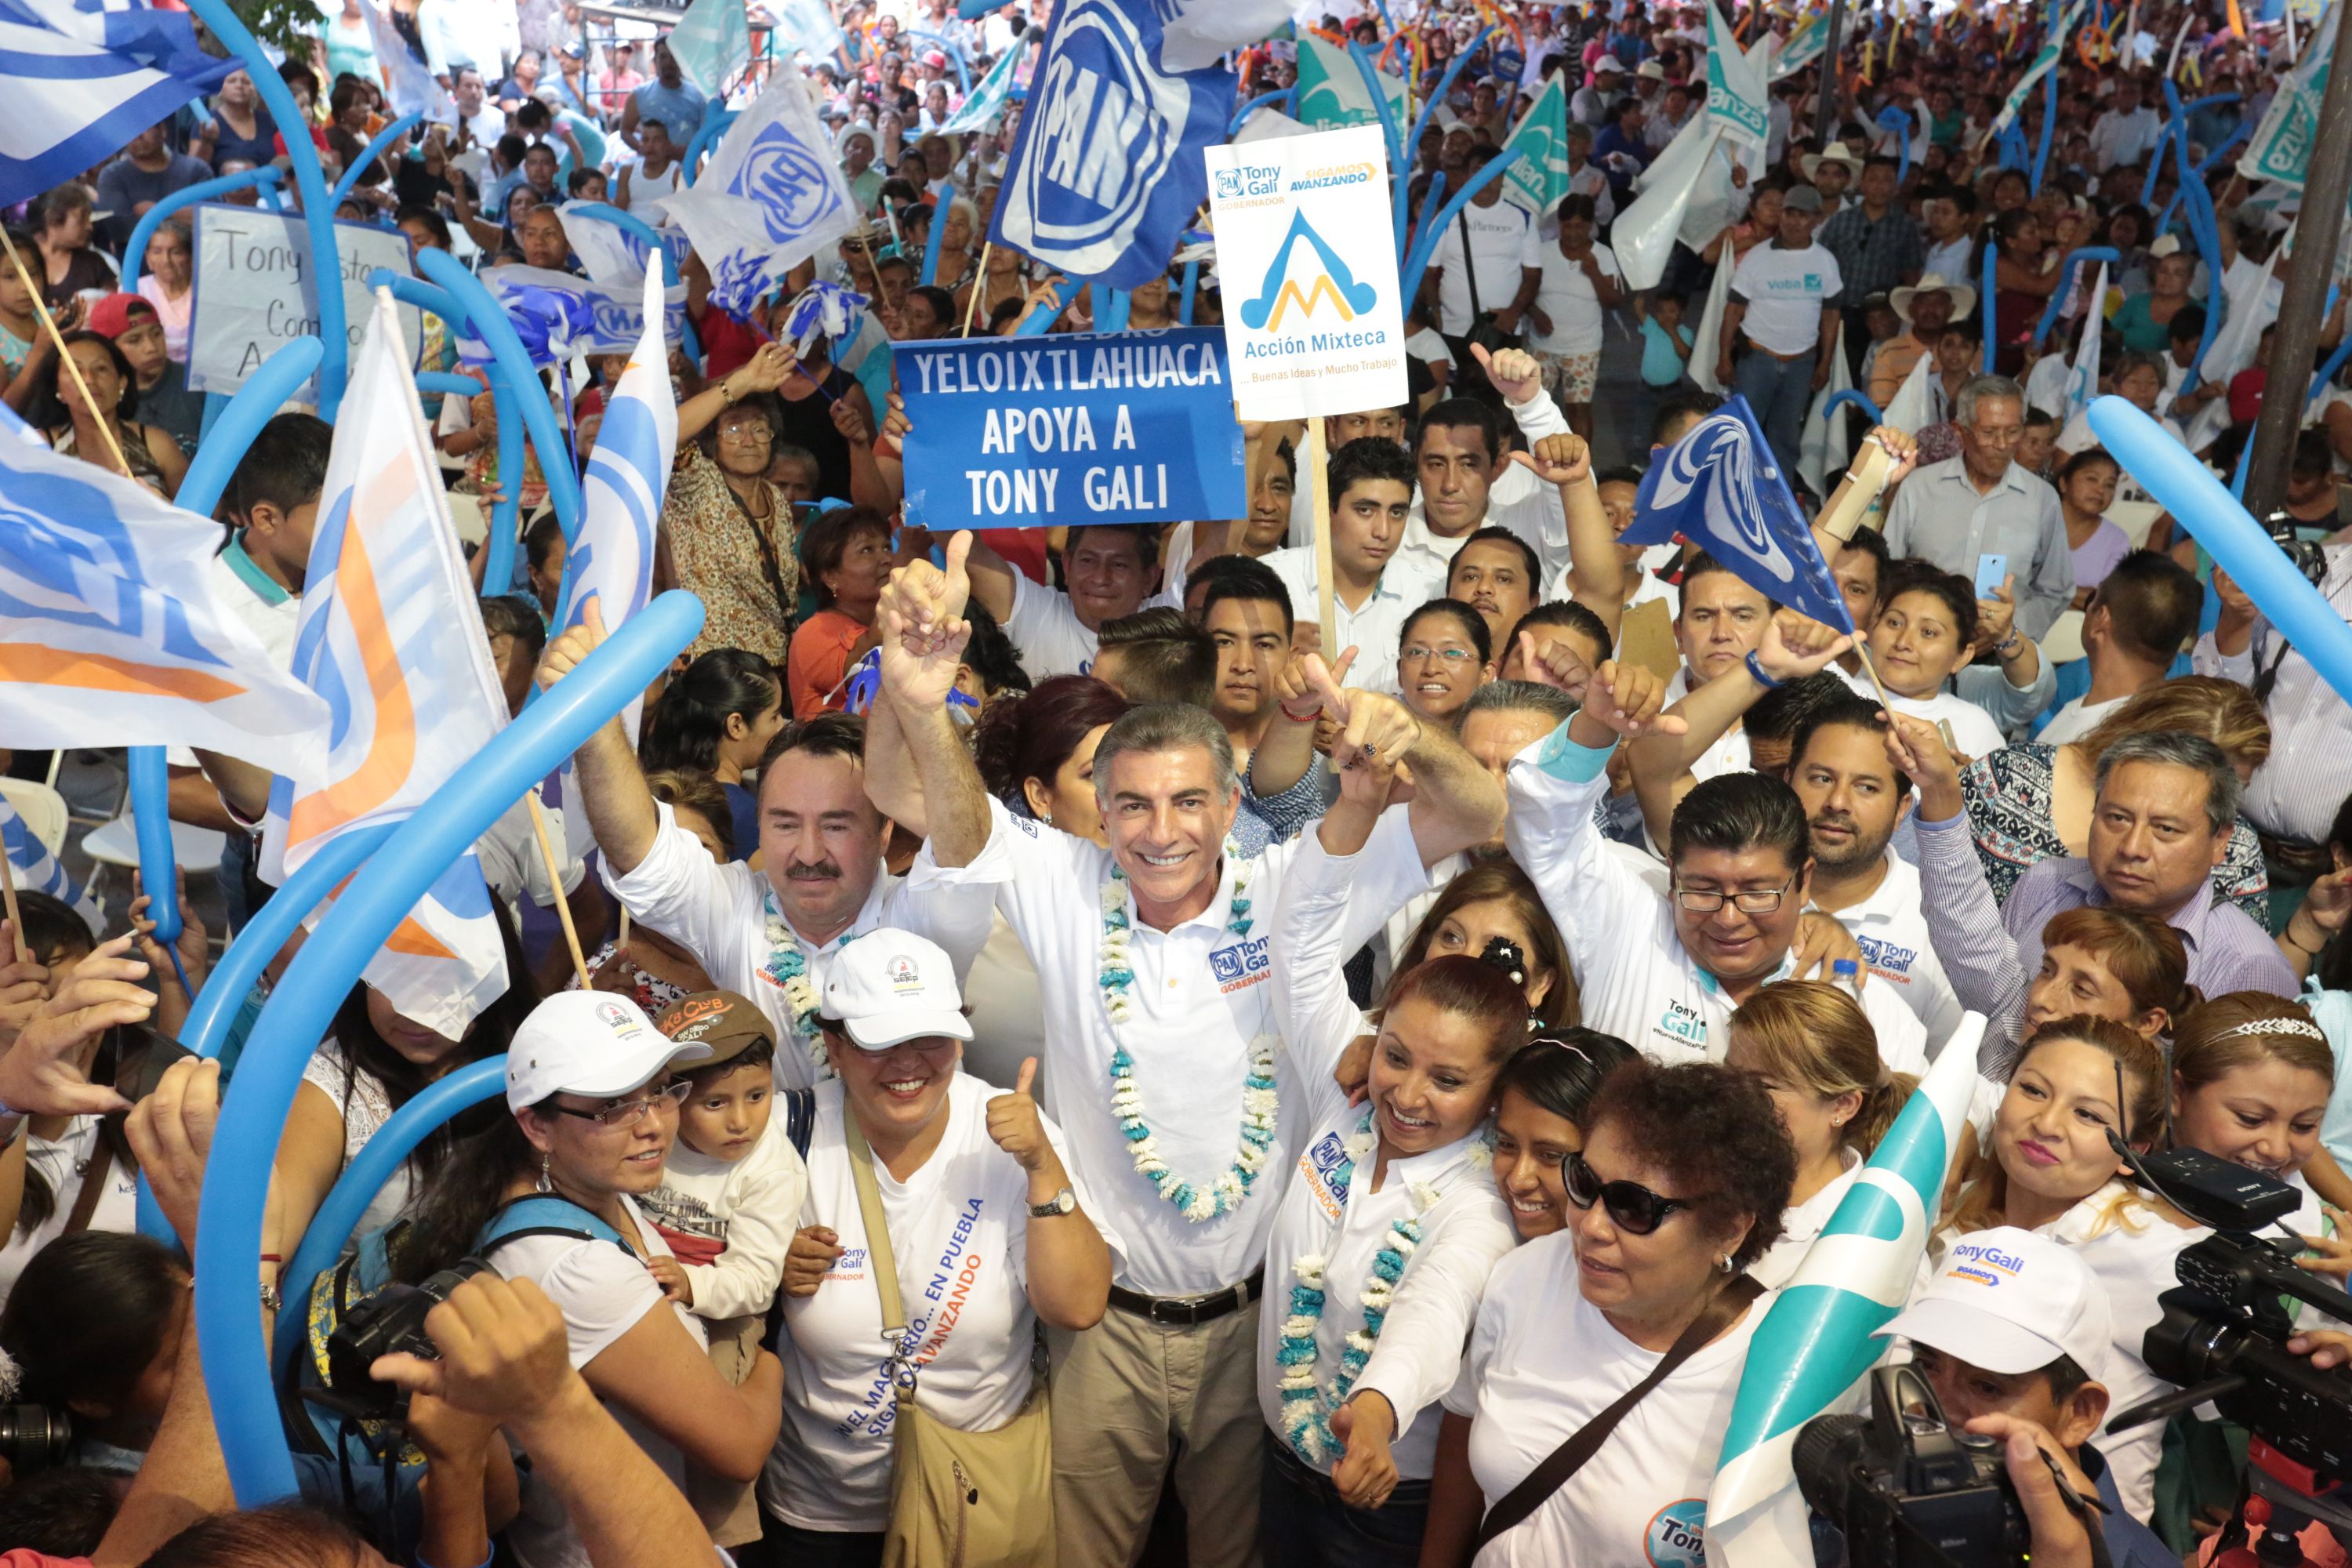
(1287,751)
(923,638)
(1065,1260)
(621,810)
(763,372)
(1457,804)
(1596,577)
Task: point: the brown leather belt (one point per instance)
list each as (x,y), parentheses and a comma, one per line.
(1189,1311)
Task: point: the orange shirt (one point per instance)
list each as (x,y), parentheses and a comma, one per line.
(820,658)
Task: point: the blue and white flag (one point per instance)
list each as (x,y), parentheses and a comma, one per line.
(1815,1341)
(391,636)
(711,43)
(988,100)
(112,632)
(36,870)
(806,25)
(770,194)
(1718,488)
(1106,168)
(559,314)
(2083,374)
(610,253)
(83,77)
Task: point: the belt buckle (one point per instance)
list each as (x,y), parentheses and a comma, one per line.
(1174,1314)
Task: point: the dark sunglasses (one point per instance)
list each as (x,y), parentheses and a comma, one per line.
(1633,1207)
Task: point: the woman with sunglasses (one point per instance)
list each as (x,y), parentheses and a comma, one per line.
(2047,1163)
(593,1109)
(1542,1100)
(1815,1054)
(1680,1187)
(1383,1240)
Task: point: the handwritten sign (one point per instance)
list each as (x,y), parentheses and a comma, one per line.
(1112,427)
(256,290)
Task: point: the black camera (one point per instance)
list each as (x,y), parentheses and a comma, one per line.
(2306,556)
(1908,1488)
(34,1437)
(390,1322)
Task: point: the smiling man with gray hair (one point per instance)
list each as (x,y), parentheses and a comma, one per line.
(1957,513)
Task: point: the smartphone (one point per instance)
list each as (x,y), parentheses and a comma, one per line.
(1991,570)
(141,1054)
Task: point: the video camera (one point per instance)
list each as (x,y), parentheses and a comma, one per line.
(2223,1338)
(1908,1488)
(389,1322)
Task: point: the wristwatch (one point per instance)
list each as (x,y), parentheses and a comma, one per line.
(1061,1203)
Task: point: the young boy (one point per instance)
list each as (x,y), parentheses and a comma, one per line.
(2014,1326)
(1666,343)
(730,1198)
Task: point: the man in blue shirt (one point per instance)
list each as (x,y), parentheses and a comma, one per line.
(1621,149)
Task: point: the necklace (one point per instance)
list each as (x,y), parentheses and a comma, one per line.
(1226,1192)
(1306,1407)
(787,966)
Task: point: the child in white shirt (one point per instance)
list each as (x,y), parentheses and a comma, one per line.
(730,1198)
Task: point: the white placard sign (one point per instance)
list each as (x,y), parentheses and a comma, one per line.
(1314,323)
(254,292)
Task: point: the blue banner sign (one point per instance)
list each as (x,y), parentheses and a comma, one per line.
(1035,432)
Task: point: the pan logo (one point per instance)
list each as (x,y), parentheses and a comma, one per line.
(1335,283)
(791,184)
(1719,458)
(1108,125)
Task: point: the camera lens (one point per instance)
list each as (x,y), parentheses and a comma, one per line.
(33,1436)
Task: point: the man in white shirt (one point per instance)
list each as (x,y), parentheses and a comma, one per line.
(770,934)
(1955,514)
(1467,482)
(2133,628)
(1160,1056)
(1951,235)
(1665,974)
(1371,593)
(1594,103)
(2127,131)
(2295,794)
(1108,570)
(469,100)
(1497,232)
(1780,325)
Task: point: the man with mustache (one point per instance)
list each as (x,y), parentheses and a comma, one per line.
(769,935)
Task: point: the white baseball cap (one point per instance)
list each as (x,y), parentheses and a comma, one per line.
(890,986)
(591,1042)
(2010,1301)
(1607,65)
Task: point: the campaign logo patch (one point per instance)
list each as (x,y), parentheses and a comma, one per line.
(1327,1170)
(1241,964)
(1677,1535)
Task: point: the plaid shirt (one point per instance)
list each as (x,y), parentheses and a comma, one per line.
(1873,257)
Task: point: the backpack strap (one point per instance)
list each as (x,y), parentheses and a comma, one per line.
(799,1106)
(544,1213)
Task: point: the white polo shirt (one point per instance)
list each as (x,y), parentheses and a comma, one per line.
(1375,628)
(1516,499)
(1785,290)
(1636,979)
(1047,631)
(1890,928)
(1202,995)
(719,914)
(1331,1213)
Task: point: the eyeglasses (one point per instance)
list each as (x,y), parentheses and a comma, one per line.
(1633,1207)
(2009,437)
(629,1113)
(1451,656)
(749,433)
(1758,902)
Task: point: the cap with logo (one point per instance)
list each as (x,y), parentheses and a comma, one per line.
(588,1043)
(727,1022)
(2010,1301)
(890,986)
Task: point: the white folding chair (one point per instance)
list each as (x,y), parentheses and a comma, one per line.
(42,807)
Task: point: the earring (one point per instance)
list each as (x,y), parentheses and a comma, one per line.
(546,1185)
(1723,1262)
(1047,819)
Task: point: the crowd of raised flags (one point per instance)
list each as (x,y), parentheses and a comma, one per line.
(1089,131)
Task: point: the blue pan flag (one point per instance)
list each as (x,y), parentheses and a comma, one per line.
(1106,168)
(1718,487)
(84,77)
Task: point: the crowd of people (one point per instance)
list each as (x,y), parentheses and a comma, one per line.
(1225,1087)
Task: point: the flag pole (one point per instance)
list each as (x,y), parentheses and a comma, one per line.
(1326,615)
(555,886)
(65,362)
(23,953)
(979,287)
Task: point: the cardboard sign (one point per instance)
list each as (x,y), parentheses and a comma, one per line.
(1105,427)
(255,292)
(1306,251)
(1647,637)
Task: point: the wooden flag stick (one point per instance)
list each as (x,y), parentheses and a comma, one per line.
(23,955)
(1862,650)
(72,368)
(979,287)
(1327,615)
(555,884)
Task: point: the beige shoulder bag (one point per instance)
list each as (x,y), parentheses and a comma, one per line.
(958,1499)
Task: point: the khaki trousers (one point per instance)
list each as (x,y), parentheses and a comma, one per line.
(1129,1397)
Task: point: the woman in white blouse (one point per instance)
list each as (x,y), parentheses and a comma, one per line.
(2047,1167)
(1809,1043)
(1684,1176)
(1386,1233)
(988,1230)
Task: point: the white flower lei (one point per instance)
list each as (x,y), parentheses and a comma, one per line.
(787,966)
(1259,1101)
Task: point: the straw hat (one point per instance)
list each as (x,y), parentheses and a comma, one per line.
(1964,299)
(1835,152)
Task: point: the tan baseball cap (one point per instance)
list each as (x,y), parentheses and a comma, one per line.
(727,1023)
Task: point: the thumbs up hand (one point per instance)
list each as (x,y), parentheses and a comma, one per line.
(1017,1128)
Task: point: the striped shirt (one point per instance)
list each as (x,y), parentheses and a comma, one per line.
(1991,952)
(2296,792)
